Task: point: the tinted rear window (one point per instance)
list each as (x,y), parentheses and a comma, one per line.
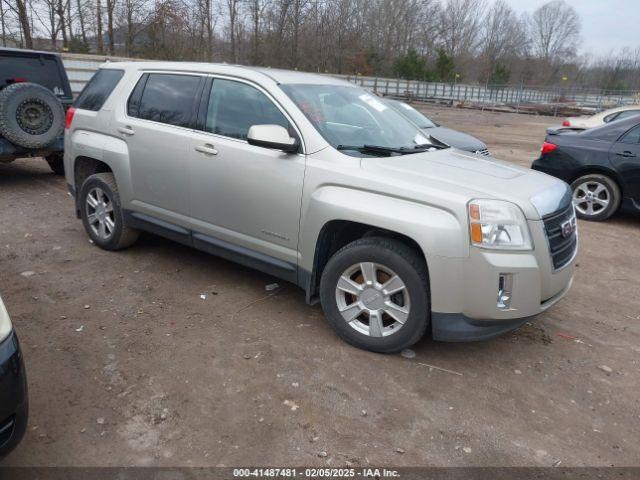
(167,98)
(42,70)
(96,92)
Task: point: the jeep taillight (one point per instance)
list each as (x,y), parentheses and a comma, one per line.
(548,147)
(69,118)
(566,123)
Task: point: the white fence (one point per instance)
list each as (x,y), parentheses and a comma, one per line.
(80,69)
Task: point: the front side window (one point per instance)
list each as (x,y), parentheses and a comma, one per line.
(167,98)
(234,107)
(96,92)
(350,116)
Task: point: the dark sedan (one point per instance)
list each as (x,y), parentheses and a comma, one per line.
(449,137)
(601,164)
(13,387)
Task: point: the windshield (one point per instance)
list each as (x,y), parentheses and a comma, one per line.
(411,113)
(350,116)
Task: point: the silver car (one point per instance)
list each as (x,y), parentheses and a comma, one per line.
(320,183)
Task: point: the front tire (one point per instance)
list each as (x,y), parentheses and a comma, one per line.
(101,213)
(596,197)
(375,294)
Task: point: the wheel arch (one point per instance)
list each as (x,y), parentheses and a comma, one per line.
(599,170)
(335,234)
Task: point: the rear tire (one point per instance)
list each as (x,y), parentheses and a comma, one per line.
(596,197)
(56,163)
(375,294)
(101,213)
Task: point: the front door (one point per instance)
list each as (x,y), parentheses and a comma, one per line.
(245,195)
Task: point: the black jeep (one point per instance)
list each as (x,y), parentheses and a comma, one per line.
(34,96)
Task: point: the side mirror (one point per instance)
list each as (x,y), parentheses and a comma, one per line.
(272,136)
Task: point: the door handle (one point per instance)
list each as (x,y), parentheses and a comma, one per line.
(626,154)
(126,130)
(207,149)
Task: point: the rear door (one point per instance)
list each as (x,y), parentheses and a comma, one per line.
(157,128)
(625,157)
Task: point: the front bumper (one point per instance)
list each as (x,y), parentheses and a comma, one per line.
(14,405)
(465,303)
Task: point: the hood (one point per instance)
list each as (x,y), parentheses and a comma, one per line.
(456,139)
(460,176)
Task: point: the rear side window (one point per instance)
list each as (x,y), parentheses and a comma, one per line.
(96,92)
(628,114)
(40,69)
(633,136)
(165,98)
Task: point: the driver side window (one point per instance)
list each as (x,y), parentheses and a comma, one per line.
(234,107)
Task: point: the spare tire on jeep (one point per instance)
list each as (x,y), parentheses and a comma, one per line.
(30,115)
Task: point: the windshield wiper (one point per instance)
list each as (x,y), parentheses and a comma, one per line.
(379,149)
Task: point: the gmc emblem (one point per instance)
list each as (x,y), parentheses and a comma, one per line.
(568,227)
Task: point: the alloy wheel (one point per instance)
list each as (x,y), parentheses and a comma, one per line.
(100,215)
(591,198)
(372,299)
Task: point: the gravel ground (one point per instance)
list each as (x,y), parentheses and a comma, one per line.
(129,365)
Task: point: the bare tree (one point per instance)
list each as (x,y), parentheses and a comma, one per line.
(460,22)
(503,36)
(99,31)
(22,12)
(555,31)
(111,6)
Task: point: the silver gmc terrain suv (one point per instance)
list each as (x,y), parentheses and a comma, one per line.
(320,183)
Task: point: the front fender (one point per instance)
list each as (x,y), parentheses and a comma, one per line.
(437,231)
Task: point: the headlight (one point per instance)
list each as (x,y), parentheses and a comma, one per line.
(498,224)
(5,322)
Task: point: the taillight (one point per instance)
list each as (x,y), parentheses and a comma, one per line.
(548,148)
(69,118)
(566,123)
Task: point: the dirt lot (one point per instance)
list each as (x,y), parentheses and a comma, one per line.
(128,365)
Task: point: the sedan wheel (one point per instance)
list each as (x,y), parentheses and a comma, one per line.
(595,197)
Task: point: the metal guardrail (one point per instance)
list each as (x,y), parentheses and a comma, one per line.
(80,68)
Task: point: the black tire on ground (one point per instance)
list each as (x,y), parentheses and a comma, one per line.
(121,236)
(56,163)
(407,264)
(607,187)
(30,115)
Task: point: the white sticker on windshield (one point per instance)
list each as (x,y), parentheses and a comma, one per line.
(373,103)
(420,140)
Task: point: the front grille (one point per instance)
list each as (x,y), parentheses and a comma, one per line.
(6,430)
(484,151)
(562,240)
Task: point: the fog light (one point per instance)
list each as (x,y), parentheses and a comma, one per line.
(505,287)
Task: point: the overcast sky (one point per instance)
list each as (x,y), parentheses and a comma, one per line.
(606,24)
